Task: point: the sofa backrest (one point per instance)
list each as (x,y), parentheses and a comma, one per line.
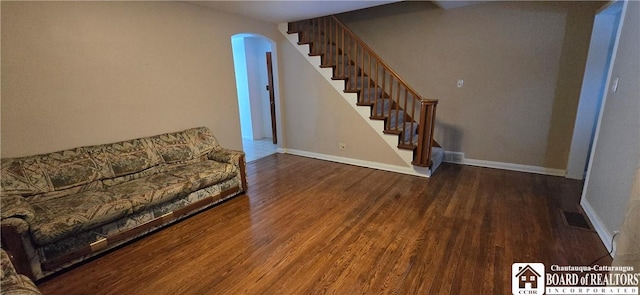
(84,166)
(49,172)
(125,157)
(185,146)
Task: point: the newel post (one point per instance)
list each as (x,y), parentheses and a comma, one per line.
(425,133)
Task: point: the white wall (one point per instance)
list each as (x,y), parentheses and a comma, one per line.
(242,85)
(600,50)
(256,49)
(616,152)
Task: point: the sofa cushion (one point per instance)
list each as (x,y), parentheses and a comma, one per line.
(123,158)
(48,172)
(205,173)
(109,182)
(22,176)
(150,190)
(174,147)
(91,186)
(59,218)
(202,140)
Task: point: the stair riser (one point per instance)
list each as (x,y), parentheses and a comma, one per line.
(370,95)
(357,82)
(344,68)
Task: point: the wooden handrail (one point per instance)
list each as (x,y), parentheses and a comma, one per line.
(380,60)
(392,99)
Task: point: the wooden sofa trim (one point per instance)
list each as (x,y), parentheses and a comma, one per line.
(12,244)
(157,222)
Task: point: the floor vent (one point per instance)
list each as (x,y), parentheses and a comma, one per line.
(575,220)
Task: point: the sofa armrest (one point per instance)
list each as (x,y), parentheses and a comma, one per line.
(16,224)
(16,240)
(232,157)
(16,206)
(12,281)
(14,230)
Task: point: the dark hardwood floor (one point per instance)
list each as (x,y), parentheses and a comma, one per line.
(314,227)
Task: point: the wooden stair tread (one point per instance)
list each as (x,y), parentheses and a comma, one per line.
(391,131)
(358,80)
(407,146)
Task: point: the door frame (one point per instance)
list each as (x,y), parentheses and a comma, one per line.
(272,98)
(592,96)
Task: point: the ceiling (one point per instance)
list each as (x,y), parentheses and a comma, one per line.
(450,4)
(291,10)
(286,11)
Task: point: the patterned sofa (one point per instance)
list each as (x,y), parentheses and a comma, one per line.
(61,208)
(12,282)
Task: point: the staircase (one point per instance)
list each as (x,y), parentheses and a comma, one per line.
(389,98)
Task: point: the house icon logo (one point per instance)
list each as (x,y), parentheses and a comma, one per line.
(527,278)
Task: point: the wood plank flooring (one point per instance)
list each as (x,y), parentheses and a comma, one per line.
(308,226)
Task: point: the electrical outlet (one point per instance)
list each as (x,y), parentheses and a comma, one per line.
(343,146)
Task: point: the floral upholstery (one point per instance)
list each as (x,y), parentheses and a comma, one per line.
(74,242)
(122,158)
(203,141)
(205,173)
(148,191)
(228,156)
(59,218)
(174,147)
(13,283)
(16,206)
(50,172)
(64,201)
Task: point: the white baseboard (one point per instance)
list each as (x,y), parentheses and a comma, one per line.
(453,157)
(515,167)
(603,232)
(351,98)
(416,171)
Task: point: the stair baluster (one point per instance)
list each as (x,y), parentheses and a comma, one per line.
(405,112)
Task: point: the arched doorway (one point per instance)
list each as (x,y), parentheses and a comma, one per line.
(256,80)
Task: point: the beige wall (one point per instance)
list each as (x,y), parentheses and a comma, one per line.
(522,65)
(318,118)
(81,73)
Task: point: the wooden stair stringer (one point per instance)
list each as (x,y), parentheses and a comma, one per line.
(352,98)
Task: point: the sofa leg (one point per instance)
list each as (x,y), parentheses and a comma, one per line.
(12,243)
